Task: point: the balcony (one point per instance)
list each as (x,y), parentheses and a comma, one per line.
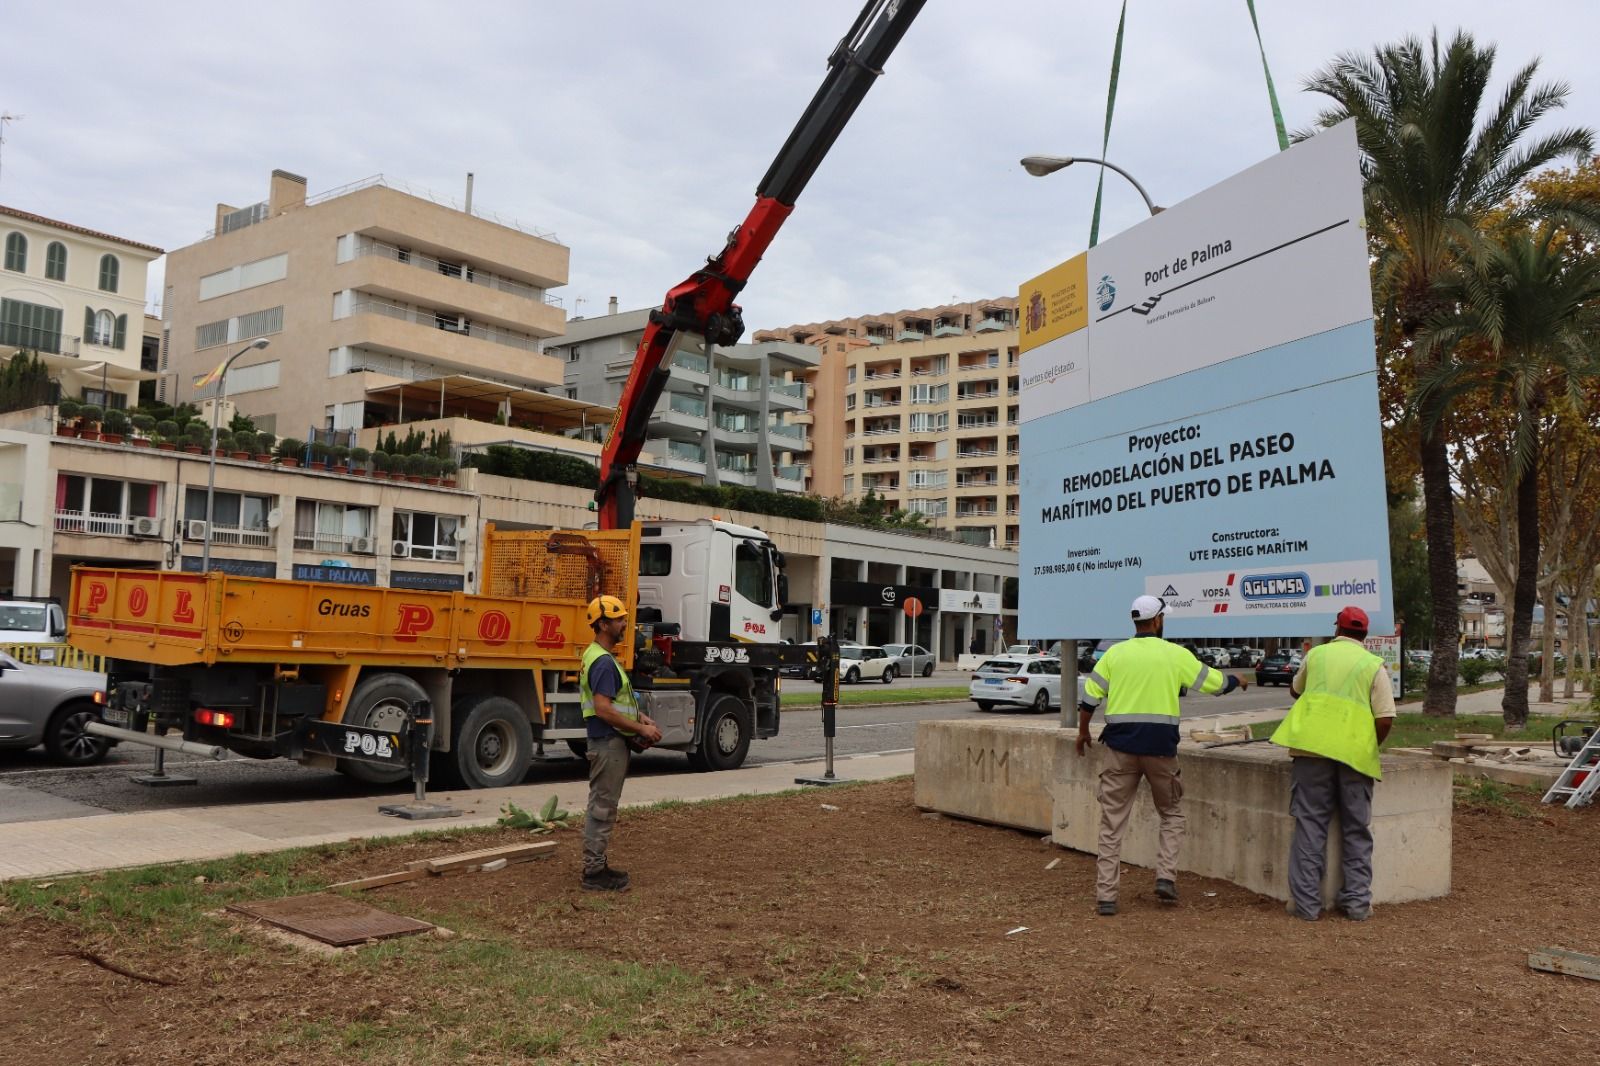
(235,536)
(976,423)
(880,458)
(875,401)
(334,543)
(975,512)
(992,324)
(786,432)
(94,523)
(975,395)
(972,481)
(31,338)
(695,364)
(976,453)
(990,363)
(368,246)
(947,329)
(881,429)
(929,427)
(910,335)
(882,375)
(444,339)
(792,472)
(377,277)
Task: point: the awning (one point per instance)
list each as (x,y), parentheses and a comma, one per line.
(80,372)
(463,394)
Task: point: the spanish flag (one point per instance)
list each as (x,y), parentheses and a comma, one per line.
(206,379)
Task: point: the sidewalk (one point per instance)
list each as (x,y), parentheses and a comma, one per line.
(111,841)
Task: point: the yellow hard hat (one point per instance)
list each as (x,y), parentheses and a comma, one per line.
(606,607)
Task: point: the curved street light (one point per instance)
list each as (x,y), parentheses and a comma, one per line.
(1041,165)
(211,473)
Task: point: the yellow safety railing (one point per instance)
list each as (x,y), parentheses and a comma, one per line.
(56,655)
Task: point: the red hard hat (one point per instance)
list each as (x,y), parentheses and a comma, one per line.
(1352,618)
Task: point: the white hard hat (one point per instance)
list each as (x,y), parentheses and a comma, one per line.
(1148,607)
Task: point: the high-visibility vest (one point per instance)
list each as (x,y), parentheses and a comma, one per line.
(1333,717)
(623,702)
(1139,681)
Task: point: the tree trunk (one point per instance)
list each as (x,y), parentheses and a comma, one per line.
(1514,705)
(1439,521)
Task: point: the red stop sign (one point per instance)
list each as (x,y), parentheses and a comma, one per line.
(912,607)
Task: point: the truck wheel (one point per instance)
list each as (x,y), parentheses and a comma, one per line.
(727,735)
(580,748)
(66,741)
(491,744)
(381,702)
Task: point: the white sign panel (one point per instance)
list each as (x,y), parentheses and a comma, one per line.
(966,600)
(1199,412)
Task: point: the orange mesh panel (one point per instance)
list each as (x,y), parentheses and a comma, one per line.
(521,565)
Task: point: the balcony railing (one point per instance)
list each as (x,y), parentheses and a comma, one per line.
(940,427)
(95,523)
(910,335)
(977,423)
(469,274)
(991,324)
(880,459)
(982,364)
(975,512)
(976,453)
(880,402)
(963,397)
(779,429)
(975,482)
(685,452)
(698,364)
(237,536)
(789,473)
(881,375)
(334,543)
(38,340)
(442,322)
(686,405)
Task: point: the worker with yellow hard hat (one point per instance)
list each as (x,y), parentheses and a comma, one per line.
(612,715)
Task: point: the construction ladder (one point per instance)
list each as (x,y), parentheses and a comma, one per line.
(1585,770)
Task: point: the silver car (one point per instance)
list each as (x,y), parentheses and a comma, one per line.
(1015,681)
(911,660)
(50,705)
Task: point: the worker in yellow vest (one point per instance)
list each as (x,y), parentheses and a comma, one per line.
(612,716)
(1344,709)
(1139,682)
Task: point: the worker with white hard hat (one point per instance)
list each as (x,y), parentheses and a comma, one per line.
(1138,682)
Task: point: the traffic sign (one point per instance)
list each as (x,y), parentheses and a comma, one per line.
(912,607)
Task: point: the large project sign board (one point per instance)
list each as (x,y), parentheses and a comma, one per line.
(1199,411)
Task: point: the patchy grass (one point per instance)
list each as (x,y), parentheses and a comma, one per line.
(1492,797)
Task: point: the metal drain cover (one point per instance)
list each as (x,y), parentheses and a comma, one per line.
(331,919)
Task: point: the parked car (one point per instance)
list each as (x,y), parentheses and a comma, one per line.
(50,705)
(1278,668)
(803,671)
(911,660)
(861,662)
(1016,681)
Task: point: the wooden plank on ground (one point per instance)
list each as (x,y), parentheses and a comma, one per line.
(510,853)
(1571,963)
(361,884)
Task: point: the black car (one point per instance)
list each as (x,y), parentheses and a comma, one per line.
(1276,669)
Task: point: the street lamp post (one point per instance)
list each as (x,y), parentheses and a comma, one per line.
(1040,165)
(211,473)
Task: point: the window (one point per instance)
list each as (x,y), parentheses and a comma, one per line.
(260,323)
(109,270)
(103,506)
(17,252)
(573,353)
(655,560)
(752,577)
(332,527)
(31,326)
(55,261)
(236,518)
(425,536)
(100,327)
(105,399)
(850,375)
(211,334)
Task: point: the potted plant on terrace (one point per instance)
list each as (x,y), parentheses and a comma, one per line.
(145,424)
(447,472)
(166,435)
(89,417)
(243,445)
(339,458)
(430,469)
(414,464)
(67,412)
(319,455)
(114,426)
(358,460)
(195,437)
(380,465)
(289,451)
(264,446)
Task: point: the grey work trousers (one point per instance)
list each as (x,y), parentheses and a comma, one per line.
(1317,788)
(608,769)
(1119,783)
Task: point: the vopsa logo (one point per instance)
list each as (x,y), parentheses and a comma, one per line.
(1105,293)
(1293,586)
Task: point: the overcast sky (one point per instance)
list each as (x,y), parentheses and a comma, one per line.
(636,131)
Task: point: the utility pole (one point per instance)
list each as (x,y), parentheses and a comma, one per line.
(5,117)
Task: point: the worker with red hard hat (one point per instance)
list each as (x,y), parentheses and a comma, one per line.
(1343,711)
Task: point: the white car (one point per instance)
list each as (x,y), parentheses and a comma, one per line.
(863,662)
(1017,681)
(911,660)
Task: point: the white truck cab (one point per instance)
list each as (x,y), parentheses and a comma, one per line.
(32,622)
(716,580)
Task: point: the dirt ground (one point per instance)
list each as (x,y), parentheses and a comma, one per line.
(876,933)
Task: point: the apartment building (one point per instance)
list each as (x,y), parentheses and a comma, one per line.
(76,297)
(365,294)
(921,409)
(731,416)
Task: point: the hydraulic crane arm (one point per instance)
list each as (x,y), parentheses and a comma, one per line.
(702,305)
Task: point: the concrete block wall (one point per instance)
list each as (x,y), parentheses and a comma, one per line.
(1236,803)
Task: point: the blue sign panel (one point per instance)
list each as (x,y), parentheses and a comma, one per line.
(336,575)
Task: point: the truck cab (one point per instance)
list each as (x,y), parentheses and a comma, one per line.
(716,581)
(32,622)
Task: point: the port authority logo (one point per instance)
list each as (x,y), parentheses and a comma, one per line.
(1284,586)
(1105,293)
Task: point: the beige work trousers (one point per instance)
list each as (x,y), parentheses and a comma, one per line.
(1119,783)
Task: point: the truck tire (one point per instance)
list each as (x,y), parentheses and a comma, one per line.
(491,744)
(728,731)
(380,702)
(66,741)
(579,748)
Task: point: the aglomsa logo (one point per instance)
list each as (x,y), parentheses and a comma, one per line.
(1294,586)
(1105,293)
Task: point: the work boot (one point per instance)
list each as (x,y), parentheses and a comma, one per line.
(1166,890)
(605,879)
(1358,914)
(1106,908)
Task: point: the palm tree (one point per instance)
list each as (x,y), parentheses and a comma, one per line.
(1529,300)
(1432,173)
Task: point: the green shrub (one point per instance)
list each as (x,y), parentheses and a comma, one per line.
(69,408)
(244,441)
(360,456)
(289,448)
(1473,671)
(142,422)
(167,428)
(197,432)
(116,421)
(91,413)
(380,461)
